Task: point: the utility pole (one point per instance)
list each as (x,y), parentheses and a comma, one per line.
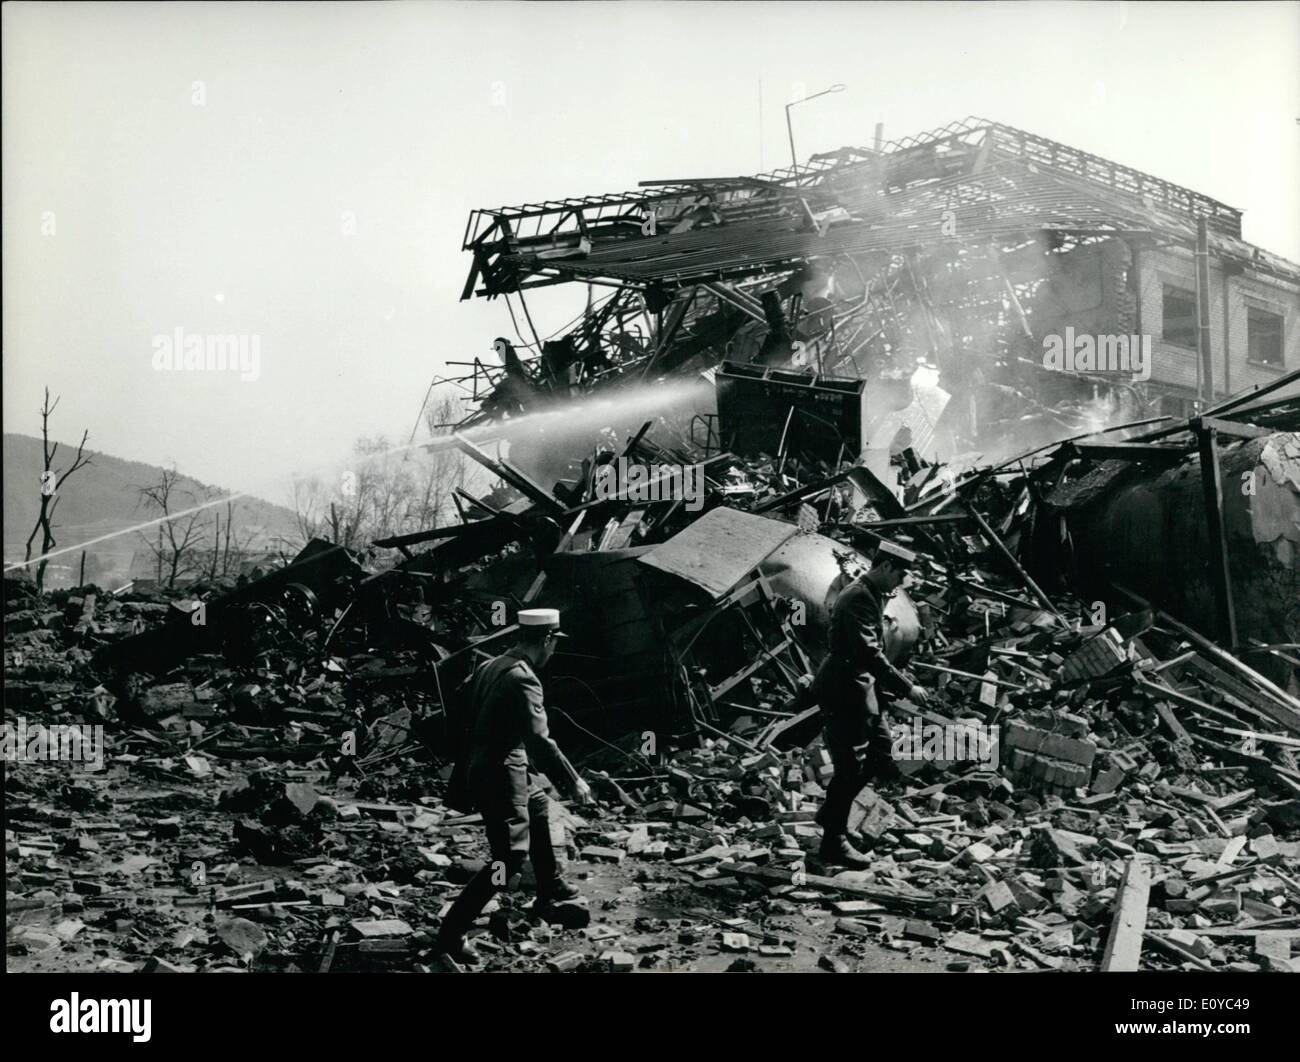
(1205,392)
(789,128)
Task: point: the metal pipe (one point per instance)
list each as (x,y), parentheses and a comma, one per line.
(789,128)
(794,159)
(1205,392)
(1227,334)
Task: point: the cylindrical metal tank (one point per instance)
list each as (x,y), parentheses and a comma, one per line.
(814,569)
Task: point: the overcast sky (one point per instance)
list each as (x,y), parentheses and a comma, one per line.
(195,166)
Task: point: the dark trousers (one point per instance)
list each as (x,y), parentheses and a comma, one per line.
(859,747)
(506,859)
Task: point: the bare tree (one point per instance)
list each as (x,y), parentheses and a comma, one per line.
(386,490)
(177,548)
(236,548)
(308,495)
(444,468)
(51,480)
(229,548)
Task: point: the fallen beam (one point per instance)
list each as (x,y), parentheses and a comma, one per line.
(1129,452)
(1223,657)
(522,483)
(1005,553)
(799,494)
(1258,391)
(1229,427)
(778,876)
(1175,951)
(1124,943)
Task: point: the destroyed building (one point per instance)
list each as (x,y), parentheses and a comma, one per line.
(1106,618)
(960,250)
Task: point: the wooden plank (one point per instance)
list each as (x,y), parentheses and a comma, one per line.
(327,953)
(1290,883)
(910,521)
(777,876)
(1172,724)
(623,535)
(1159,689)
(1234,931)
(538,584)
(1261,768)
(231,894)
(1174,950)
(1223,803)
(1124,943)
(1252,394)
(778,728)
(1230,427)
(1231,850)
(1191,794)
(1000,547)
(723,687)
(1257,736)
(1264,705)
(1220,825)
(1284,701)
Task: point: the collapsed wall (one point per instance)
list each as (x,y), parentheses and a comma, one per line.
(1147,529)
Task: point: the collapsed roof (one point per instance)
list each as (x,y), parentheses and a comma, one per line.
(958,249)
(998,182)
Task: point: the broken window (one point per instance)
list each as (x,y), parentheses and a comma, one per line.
(1179,315)
(1263,336)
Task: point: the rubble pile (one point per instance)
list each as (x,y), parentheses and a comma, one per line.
(1091,785)
(791,369)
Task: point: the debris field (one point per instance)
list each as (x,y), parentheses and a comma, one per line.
(1104,776)
(270,796)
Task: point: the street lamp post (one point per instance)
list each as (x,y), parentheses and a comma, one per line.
(794,159)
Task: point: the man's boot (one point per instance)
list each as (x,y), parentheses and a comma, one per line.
(551,888)
(451,934)
(835,848)
(466,908)
(456,948)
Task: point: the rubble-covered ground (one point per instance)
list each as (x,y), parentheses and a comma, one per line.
(291,817)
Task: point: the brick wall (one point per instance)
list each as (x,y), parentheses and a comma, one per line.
(1084,289)
(1175,365)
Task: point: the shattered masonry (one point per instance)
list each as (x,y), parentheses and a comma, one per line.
(854,353)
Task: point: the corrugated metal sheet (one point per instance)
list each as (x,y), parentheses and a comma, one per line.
(719,549)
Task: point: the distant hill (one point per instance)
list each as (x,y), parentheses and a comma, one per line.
(104,497)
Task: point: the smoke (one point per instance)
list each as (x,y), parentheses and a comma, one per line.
(547,443)
(1005,439)
(586,416)
(1101,412)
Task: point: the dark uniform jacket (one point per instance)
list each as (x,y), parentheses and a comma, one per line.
(846,682)
(511,742)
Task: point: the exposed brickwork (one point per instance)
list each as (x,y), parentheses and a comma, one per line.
(1176,365)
